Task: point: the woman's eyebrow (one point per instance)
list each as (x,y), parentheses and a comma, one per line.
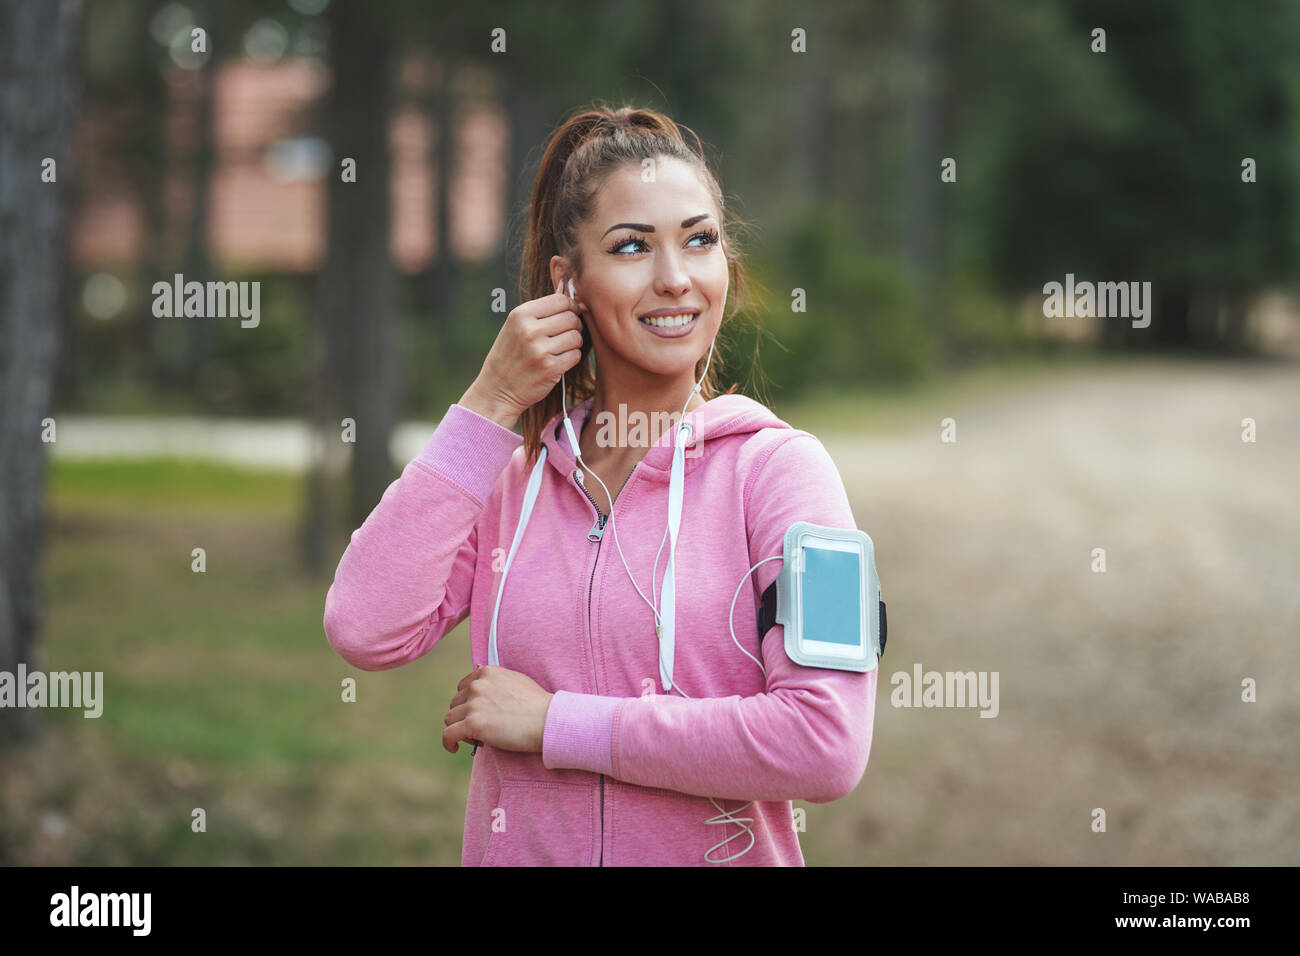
(646,227)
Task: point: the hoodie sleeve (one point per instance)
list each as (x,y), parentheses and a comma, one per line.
(807,737)
(406,577)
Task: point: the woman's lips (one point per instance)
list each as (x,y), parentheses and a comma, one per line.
(674,332)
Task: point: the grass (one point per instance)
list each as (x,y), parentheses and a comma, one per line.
(169,483)
(220,690)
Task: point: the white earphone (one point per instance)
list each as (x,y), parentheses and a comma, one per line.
(665,616)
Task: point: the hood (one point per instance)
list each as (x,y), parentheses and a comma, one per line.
(718,418)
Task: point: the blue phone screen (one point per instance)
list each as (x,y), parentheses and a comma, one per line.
(831,596)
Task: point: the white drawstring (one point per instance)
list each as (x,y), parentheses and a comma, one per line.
(530,496)
(677,478)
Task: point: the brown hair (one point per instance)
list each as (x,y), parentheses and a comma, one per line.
(582,152)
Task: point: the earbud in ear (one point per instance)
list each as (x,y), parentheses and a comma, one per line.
(571,295)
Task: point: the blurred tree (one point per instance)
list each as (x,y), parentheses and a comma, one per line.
(356,369)
(1126,165)
(198,257)
(443,112)
(37,71)
(924,141)
(142,83)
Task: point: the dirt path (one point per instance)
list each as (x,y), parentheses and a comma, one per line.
(1119,690)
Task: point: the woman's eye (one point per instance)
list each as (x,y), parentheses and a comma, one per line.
(709,236)
(618,247)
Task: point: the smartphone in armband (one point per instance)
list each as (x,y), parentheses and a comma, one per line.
(827,596)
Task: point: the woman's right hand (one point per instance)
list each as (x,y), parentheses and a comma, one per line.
(540,340)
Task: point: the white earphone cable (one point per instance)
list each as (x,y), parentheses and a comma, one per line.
(723,816)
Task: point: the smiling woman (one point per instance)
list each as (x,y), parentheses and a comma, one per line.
(631,212)
(609,723)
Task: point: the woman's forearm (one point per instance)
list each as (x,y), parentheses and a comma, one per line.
(407,575)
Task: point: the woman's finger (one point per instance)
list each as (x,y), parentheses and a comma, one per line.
(549,305)
(452,736)
(565,342)
(559,323)
(459,712)
(464,681)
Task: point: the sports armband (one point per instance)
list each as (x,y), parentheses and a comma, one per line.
(827,596)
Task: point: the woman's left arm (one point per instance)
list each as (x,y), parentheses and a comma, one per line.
(807,737)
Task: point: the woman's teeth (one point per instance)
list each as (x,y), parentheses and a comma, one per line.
(671,321)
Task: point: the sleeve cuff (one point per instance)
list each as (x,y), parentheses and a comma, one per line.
(469,450)
(579,732)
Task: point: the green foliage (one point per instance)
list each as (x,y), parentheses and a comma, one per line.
(863,320)
(442,354)
(121,367)
(1128,162)
(263,370)
(980,324)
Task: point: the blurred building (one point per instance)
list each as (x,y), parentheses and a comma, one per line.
(266,208)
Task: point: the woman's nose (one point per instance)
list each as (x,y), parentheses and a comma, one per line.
(672,277)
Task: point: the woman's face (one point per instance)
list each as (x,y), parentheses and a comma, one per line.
(651,245)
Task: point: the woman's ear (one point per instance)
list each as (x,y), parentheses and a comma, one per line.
(558,270)
(577,304)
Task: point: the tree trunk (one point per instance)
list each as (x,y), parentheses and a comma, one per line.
(813,151)
(37,68)
(526,109)
(147,145)
(356,284)
(443,278)
(198,261)
(1170,320)
(920,206)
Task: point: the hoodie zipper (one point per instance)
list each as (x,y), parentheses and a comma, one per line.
(597,534)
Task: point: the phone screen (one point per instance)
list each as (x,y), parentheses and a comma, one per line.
(832,610)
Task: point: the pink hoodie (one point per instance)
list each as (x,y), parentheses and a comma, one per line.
(626,771)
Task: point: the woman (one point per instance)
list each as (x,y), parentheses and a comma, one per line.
(611,725)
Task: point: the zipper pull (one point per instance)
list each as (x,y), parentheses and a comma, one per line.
(598,529)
